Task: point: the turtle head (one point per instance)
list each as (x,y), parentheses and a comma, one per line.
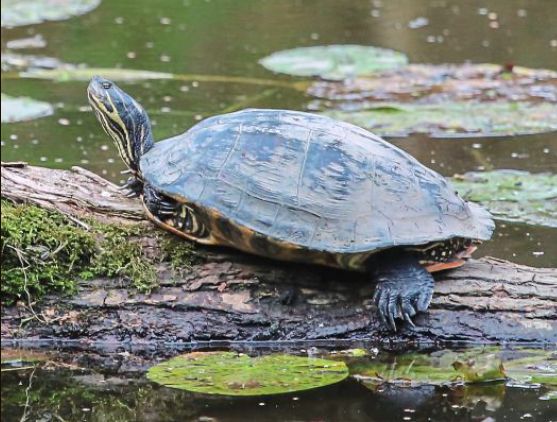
(123,119)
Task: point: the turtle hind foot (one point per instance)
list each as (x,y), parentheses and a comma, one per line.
(404,288)
(132,188)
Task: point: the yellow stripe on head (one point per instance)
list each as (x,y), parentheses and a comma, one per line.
(122,118)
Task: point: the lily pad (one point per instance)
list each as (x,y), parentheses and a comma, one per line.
(453,119)
(439,368)
(18,109)
(538,367)
(447,367)
(12,62)
(20,357)
(233,374)
(71,72)
(75,73)
(334,62)
(442,82)
(513,195)
(28,12)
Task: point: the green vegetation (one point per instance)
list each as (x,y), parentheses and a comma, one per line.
(43,251)
(453,119)
(513,195)
(236,374)
(23,108)
(446,367)
(334,62)
(120,255)
(179,252)
(19,13)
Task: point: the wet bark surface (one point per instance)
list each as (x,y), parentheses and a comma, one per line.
(229,296)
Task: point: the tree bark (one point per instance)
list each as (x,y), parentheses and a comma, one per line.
(231,296)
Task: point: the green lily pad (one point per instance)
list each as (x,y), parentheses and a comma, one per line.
(550,395)
(233,374)
(74,73)
(453,119)
(431,83)
(70,72)
(19,357)
(18,109)
(334,62)
(538,367)
(28,12)
(447,367)
(11,62)
(513,195)
(439,368)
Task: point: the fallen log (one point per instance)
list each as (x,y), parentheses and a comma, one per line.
(230,296)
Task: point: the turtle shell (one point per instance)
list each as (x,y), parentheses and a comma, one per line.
(311,181)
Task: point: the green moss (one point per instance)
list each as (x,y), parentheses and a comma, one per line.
(178,252)
(44,252)
(41,251)
(121,255)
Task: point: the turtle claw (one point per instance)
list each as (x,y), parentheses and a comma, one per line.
(394,303)
(131,194)
(132,188)
(404,289)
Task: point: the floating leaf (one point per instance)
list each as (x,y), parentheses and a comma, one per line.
(431,83)
(453,119)
(233,374)
(20,357)
(70,72)
(538,367)
(551,395)
(334,61)
(18,62)
(439,368)
(74,73)
(447,367)
(27,12)
(513,195)
(18,109)
(36,41)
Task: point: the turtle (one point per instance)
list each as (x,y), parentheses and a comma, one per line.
(300,187)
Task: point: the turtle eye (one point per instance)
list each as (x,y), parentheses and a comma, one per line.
(106,85)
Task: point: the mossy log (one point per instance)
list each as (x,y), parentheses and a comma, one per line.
(229,296)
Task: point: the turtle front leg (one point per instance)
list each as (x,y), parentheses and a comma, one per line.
(404,288)
(162,207)
(132,188)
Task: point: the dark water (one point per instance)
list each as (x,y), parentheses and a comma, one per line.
(112,387)
(215,37)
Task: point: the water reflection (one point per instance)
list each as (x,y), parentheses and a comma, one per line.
(87,386)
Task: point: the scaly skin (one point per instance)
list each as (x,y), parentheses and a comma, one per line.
(404,288)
